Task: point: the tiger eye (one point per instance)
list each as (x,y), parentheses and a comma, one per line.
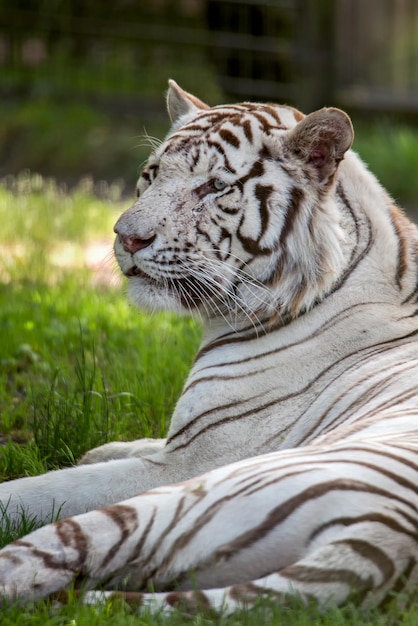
(219,184)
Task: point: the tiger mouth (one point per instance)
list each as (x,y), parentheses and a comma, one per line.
(188,290)
(135,271)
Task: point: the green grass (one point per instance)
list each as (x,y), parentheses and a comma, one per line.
(79,367)
(391,151)
(266,613)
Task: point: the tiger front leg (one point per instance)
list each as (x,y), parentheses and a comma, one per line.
(75,490)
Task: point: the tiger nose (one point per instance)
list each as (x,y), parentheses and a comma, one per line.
(133,243)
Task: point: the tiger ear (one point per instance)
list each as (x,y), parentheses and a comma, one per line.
(321,139)
(181,103)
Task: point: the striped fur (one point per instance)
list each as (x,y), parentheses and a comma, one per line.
(263,223)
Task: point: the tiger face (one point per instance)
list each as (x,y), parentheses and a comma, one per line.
(235,216)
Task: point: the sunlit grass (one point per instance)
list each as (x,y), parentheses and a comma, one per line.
(40,211)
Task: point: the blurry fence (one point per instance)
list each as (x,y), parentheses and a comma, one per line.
(357,53)
(376,51)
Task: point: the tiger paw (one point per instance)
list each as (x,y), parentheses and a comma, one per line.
(122,450)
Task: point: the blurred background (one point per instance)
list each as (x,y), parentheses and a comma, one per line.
(82,81)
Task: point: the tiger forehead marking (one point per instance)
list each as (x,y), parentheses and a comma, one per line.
(227,127)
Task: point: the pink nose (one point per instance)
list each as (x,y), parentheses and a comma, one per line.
(133,243)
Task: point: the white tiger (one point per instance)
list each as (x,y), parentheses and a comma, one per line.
(262,222)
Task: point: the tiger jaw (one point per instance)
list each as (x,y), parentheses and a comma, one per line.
(188,296)
(183,294)
(185,290)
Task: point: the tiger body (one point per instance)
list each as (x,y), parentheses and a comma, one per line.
(264,223)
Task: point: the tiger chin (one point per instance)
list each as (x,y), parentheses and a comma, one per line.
(291,461)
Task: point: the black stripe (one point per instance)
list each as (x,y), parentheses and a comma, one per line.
(229,137)
(296,198)
(399,586)
(372,553)
(398,224)
(246,127)
(357,255)
(378,518)
(263,193)
(283,511)
(126,517)
(303,573)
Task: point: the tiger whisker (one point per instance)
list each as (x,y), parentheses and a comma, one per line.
(214,266)
(208,301)
(204,295)
(227,296)
(245,276)
(150,140)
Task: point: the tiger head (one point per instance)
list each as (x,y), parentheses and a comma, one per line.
(236,214)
